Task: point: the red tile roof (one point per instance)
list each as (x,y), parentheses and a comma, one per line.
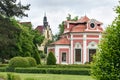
(39,28)
(62,41)
(78,28)
(81,25)
(83,19)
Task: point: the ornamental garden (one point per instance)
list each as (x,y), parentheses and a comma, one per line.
(82,50)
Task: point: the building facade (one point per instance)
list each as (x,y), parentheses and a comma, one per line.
(78,43)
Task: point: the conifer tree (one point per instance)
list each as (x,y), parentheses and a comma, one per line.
(10,8)
(51,60)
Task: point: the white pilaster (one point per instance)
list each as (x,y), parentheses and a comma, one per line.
(84,48)
(71,50)
(67,25)
(57,54)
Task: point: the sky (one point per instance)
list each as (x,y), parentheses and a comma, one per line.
(57,11)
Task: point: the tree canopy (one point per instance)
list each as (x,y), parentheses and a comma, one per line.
(8,37)
(11,8)
(106,64)
(18,40)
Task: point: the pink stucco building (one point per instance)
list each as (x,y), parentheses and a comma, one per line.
(79,41)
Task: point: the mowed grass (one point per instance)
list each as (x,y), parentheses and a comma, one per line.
(51,77)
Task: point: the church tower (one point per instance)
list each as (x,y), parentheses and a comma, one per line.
(45,23)
(46,32)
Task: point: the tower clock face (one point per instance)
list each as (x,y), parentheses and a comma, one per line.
(92,25)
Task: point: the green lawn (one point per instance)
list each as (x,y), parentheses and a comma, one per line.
(51,77)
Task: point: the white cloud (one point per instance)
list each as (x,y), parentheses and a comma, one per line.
(103,14)
(57,10)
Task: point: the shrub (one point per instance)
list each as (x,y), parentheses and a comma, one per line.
(10,69)
(87,62)
(51,60)
(18,62)
(37,57)
(32,61)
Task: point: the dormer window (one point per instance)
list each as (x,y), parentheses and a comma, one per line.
(92,25)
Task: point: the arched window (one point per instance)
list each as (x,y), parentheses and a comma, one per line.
(92,46)
(78,51)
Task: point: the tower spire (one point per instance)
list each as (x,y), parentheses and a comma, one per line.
(45,14)
(45,23)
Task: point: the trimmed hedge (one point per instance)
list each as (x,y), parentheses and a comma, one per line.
(74,71)
(53,69)
(2,69)
(3,65)
(64,66)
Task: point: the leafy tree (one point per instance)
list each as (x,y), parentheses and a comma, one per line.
(106,64)
(56,37)
(27,43)
(17,40)
(38,38)
(71,19)
(45,49)
(61,28)
(10,8)
(8,37)
(51,60)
